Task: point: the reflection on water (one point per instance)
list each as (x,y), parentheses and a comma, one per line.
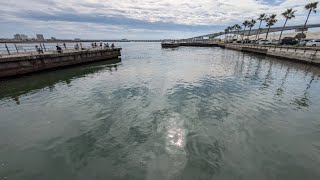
(22,85)
(188,113)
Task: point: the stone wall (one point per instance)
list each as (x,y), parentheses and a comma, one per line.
(18,65)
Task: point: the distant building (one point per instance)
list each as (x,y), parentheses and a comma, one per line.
(40,37)
(53,38)
(17,37)
(77,39)
(23,37)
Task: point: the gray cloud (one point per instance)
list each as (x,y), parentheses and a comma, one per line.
(135,18)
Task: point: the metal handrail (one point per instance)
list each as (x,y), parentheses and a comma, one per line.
(280,47)
(45,48)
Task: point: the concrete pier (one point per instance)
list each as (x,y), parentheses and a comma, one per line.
(19,65)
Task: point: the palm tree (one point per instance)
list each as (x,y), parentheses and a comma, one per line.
(271,20)
(311,7)
(251,24)
(261,18)
(245,24)
(226,31)
(288,14)
(238,28)
(231,28)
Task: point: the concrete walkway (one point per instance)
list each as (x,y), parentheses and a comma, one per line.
(35,53)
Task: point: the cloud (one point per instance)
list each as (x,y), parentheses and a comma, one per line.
(142,19)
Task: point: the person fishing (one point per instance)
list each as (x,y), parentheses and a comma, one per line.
(59,49)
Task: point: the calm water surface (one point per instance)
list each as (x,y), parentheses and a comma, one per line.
(185,113)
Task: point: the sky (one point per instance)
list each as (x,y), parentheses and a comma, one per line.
(137,19)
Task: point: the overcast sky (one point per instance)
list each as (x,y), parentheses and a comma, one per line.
(136,19)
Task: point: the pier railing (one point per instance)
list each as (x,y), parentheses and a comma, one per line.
(12,49)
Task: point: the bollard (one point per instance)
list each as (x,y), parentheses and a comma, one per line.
(7,49)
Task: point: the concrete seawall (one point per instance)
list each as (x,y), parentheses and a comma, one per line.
(310,57)
(18,65)
(299,54)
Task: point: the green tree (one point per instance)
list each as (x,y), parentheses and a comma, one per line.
(288,14)
(300,36)
(271,20)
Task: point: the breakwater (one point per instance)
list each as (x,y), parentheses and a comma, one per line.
(19,65)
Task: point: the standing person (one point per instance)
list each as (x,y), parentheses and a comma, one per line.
(95,44)
(76,47)
(39,50)
(64,44)
(107,45)
(100,45)
(112,46)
